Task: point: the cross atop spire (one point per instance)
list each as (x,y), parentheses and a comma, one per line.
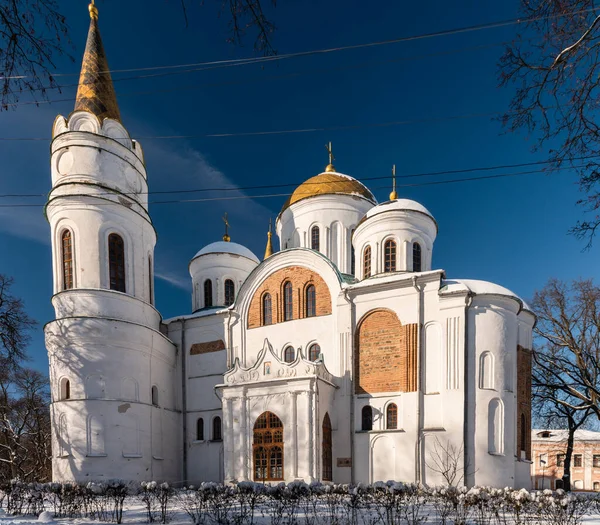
(226,237)
(393,195)
(330,166)
(96,92)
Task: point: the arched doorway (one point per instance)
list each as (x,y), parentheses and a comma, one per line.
(267,448)
(326,450)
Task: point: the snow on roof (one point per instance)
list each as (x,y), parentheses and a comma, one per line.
(400,205)
(227,247)
(556,436)
(480,288)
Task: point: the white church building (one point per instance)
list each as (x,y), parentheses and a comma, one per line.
(343,357)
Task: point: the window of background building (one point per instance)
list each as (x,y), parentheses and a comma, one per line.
(596,461)
(577,460)
(560,460)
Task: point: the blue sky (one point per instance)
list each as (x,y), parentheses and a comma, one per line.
(511,230)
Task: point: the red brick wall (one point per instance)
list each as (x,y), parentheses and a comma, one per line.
(385,354)
(300,278)
(205,348)
(524,398)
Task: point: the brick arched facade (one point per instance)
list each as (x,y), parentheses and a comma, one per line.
(385,357)
(300,278)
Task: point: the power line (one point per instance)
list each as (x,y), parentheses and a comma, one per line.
(307,183)
(243,81)
(422,36)
(271,195)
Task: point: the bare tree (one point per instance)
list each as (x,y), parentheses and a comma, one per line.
(566,358)
(32,34)
(447,460)
(554,408)
(24,425)
(554,66)
(14,324)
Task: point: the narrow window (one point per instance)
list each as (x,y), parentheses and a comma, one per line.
(392,416)
(352,255)
(200,429)
(67,259)
(217,436)
(367,418)
(486,370)
(596,461)
(229,292)
(560,460)
(390,256)
(416,257)
(116,262)
(288,302)
(314,352)
(326,450)
(367,263)
(267,310)
(150,281)
(315,240)
(311,301)
(289,354)
(208,301)
(155,395)
(523,435)
(577,460)
(65,388)
(495,427)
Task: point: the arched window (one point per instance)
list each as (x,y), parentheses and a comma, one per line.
(496,427)
(391,417)
(416,257)
(486,370)
(315,238)
(314,352)
(311,301)
(596,486)
(65,388)
(216,430)
(116,262)
(367,263)
(389,256)
(267,309)
(523,433)
(155,395)
(67,259)
(200,429)
(367,418)
(267,448)
(289,354)
(326,450)
(229,292)
(208,300)
(288,301)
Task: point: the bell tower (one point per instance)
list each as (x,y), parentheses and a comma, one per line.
(111,369)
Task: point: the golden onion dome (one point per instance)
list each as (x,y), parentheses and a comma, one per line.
(329,183)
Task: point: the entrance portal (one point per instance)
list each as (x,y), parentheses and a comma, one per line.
(267,448)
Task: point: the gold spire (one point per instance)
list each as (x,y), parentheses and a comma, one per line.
(269,248)
(330,167)
(393,195)
(96,92)
(226,237)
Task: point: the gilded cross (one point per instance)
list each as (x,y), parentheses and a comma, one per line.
(330,152)
(226,236)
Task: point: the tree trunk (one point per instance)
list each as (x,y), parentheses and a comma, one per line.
(569,454)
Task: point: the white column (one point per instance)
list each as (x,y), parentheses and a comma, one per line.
(230,431)
(246,436)
(309,398)
(294,443)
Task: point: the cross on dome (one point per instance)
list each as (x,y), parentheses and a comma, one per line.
(330,167)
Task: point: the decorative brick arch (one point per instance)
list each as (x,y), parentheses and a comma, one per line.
(385,358)
(300,278)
